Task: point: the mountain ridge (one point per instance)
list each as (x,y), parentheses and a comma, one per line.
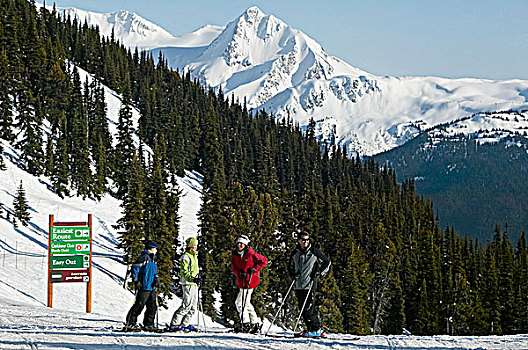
(262,60)
(135,31)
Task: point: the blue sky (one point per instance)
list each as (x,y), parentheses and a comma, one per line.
(447,38)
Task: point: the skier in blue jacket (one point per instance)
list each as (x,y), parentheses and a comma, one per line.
(145,277)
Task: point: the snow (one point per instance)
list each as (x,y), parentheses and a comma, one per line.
(487,128)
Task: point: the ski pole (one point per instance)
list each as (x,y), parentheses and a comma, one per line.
(200,309)
(157,309)
(280,308)
(245,297)
(198,291)
(200,306)
(304,305)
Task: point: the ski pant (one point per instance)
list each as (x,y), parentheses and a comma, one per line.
(247,312)
(188,307)
(310,317)
(143,297)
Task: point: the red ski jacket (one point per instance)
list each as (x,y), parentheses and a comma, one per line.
(241,264)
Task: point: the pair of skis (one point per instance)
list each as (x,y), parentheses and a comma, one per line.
(300,336)
(150,330)
(292,336)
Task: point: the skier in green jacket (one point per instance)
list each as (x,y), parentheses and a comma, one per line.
(189,279)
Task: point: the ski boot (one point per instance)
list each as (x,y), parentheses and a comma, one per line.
(170,328)
(190,328)
(152,328)
(255,328)
(315,334)
(244,328)
(300,334)
(131,328)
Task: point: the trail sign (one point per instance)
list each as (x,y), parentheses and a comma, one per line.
(70,276)
(70,233)
(70,262)
(69,247)
(70,255)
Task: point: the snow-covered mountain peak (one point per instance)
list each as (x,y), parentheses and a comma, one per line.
(128,27)
(132,23)
(251,39)
(258,23)
(258,56)
(252,14)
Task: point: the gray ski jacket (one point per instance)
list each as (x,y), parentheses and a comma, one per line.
(304,265)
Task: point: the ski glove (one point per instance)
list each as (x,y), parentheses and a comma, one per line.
(242,275)
(250,271)
(315,274)
(138,285)
(155,282)
(197,279)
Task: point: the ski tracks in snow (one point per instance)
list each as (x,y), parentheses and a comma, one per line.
(28,342)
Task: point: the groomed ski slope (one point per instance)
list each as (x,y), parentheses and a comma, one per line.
(28,326)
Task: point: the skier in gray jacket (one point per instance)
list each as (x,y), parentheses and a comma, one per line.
(307,263)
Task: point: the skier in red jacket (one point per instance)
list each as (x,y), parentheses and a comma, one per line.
(246,265)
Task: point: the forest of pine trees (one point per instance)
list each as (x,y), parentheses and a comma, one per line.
(491,173)
(393,266)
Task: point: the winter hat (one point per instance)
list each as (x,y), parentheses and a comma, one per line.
(243,239)
(191,242)
(151,244)
(302,233)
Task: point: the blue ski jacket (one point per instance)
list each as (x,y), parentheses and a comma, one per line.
(145,270)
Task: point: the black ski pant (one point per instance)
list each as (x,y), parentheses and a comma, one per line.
(310,317)
(143,297)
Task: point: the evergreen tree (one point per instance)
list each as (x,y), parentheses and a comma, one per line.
(213,221)
(156,219)
(101,169)
(382,266)
(6,104)
(21,206)
(99,137)
(490,295)
(355,310)
(48,166)
(506,292)
(521,285)
(125,145)
(132,223)
(396,313)
(331,315)
(77,121)
(424,311)
(60,172)
(29,124)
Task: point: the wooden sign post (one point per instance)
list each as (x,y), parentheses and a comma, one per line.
(70,255)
